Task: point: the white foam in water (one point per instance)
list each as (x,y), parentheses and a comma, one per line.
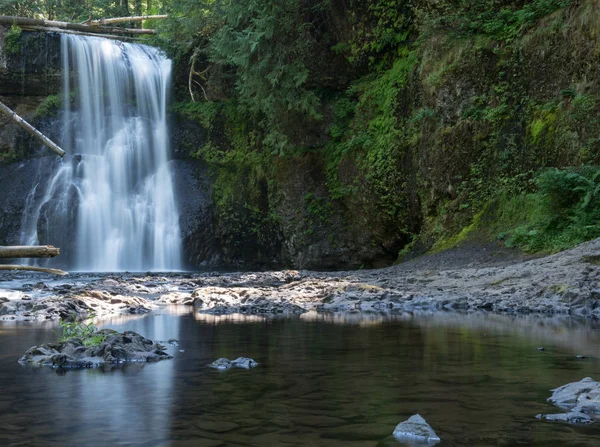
(118,194)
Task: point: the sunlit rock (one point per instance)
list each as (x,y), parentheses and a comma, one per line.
(581,399)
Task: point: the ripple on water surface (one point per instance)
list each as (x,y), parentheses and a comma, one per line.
(322,381)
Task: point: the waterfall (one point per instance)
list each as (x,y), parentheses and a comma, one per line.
(110,204)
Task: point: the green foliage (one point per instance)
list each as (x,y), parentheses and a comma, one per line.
(381,30)
(87,333)
(319,207)
(203,112)
(563,212)
(500,19)
(77,10)
(189,26)
(12,40)
(371,132)
(52,103)
(49,106)
(267,44)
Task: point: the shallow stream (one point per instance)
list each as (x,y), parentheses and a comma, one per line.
(323,381)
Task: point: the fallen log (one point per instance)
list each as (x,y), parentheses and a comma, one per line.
(31,130)
(49,29)
(22,251)
(101,22)
(28,268)
(45,24)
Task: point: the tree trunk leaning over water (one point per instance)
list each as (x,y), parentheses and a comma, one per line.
(43,251)
(28,268)
(31,130)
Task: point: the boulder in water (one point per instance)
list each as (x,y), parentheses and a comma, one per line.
(581,399)
(223,364)
(415,429)
(112,348)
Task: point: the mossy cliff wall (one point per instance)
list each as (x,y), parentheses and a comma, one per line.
(409,152)
(29,84)
(29,74)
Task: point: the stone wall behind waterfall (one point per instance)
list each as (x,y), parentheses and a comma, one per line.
(28,75)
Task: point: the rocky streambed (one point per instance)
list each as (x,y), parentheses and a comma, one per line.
(565,283)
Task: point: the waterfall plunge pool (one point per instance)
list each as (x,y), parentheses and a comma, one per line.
(322,381)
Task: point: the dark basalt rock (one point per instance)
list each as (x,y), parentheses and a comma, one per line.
(116,349)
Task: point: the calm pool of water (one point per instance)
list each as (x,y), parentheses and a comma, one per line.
(347,381)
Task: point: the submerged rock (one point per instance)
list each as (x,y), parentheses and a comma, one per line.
(416,429)
(581,399)
(241,362)
(114,348)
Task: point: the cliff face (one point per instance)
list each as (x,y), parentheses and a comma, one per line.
(414,150)
(29,74)
(407,153)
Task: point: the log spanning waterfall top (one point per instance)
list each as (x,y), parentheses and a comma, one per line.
(111,205)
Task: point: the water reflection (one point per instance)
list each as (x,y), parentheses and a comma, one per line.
(478,382)
(232,318)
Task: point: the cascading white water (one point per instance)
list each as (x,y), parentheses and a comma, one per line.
(114,192)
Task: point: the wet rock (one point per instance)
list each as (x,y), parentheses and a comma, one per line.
(581,399)
(415,429)
(570,418)
(223,364)
(245,363)
(114,348)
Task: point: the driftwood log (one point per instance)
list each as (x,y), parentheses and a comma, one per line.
(42,251)
(28,268)
(31,130)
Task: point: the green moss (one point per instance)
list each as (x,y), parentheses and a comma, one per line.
(52,103)
(49,106)
(318,207)
(455,240)
(12,40)
(203,112)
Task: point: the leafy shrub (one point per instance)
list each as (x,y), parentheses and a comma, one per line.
(13,40)
(86,332)
(563,212)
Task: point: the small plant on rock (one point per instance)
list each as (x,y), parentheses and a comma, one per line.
(86,332)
